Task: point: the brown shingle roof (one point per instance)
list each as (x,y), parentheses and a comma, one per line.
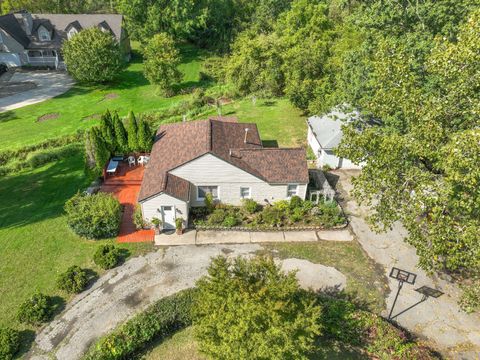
(179,143)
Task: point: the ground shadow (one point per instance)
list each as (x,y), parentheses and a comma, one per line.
(26,340)
(124,254)
(269,103)
(7,116)
(270,143)
(58,305)
(92,277)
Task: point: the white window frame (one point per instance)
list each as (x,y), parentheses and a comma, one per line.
(43,31)
(71,33)
(297,186)
(202,198)
(249,192)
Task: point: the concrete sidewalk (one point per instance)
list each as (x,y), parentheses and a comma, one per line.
(194,237)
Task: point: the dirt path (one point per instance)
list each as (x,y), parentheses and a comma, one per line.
(440,320)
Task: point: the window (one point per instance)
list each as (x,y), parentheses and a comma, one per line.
(72,32)
(43,34)
(292,190)
(245,193)
(204,190)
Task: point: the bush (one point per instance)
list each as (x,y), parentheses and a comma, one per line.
(92,56)
(42,157)
(107,256)
(330,214)
(137,218)
(74,280)
(296,215)
(272,216)
(94,216)
(35,310)
(250,206)
(179,223)
(470,300)
(9,343)
(230,221)
(158,322)
(295,202)
(217,217)
(285,317)
(209,203)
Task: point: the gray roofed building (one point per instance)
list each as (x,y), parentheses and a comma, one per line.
(36,39)
(325,134)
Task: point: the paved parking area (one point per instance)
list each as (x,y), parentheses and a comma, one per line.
(48,84)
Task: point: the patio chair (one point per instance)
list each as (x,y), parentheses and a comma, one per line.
(141,160)
(131,161)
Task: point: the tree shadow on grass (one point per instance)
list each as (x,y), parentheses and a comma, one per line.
(7,116)
(27,337)
(270,143)
(32,196)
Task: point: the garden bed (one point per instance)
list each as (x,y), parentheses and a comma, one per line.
(285,215)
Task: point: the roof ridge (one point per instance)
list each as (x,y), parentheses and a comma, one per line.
(267,148)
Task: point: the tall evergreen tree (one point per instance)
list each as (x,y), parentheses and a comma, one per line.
(107,130)
(132,131)
(121,139)
(144,135)
(100,149)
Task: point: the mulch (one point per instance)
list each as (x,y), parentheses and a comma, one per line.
(50,116)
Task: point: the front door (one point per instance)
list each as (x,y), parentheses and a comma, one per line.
(168,217)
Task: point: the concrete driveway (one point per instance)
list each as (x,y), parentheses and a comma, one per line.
(440,320)
(49,84)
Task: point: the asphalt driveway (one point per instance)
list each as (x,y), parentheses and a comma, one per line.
(48,84)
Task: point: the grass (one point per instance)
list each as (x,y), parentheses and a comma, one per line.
(35,241)
(366,284)
(78,107)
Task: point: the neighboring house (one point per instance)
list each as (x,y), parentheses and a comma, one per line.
(325,134)
(36,39)
(219,156)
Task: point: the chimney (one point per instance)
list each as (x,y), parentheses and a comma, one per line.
(246,135)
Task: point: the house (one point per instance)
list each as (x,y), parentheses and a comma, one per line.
(219,156)
(36,39)
(325,134)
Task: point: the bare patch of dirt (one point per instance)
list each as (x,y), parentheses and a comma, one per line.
(51,116)
(110,96)
(92,117)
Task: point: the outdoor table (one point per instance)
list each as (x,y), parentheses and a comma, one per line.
(112,167)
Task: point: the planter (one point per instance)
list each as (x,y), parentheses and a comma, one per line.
(179,231)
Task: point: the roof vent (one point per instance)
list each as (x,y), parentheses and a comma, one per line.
(246,135)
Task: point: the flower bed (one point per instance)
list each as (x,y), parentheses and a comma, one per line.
(295,214)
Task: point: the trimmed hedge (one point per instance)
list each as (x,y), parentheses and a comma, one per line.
(94,216)
(9,343)
(160,320)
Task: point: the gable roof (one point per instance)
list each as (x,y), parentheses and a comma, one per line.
(63,22)
(328,127)
(10,24)
(180,143)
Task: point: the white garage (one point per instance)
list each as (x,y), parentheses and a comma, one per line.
(325,134)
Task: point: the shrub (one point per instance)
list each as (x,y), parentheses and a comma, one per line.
(272,216)
(158,321)
(107,256)
(209,203)
(35,310)
(74,280)
(330,214)
(94,216)
(230,221)
(9,343)
(92,56)
(470,300)
(217,217)
(250,206)
(42,157)
(282,205)
(179,223)
(295,202)
(285,317)
(296,215)
(137,217)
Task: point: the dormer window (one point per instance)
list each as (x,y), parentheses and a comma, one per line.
(71,33)
(43,34)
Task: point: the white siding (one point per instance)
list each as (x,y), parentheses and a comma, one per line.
(152,207)
(313,142)
(210,170)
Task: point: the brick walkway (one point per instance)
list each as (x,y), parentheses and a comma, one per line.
(125,185)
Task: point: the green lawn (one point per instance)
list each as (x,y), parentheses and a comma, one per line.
(35,242)
(80,107)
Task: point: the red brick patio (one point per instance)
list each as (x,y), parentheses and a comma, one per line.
(125,186)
